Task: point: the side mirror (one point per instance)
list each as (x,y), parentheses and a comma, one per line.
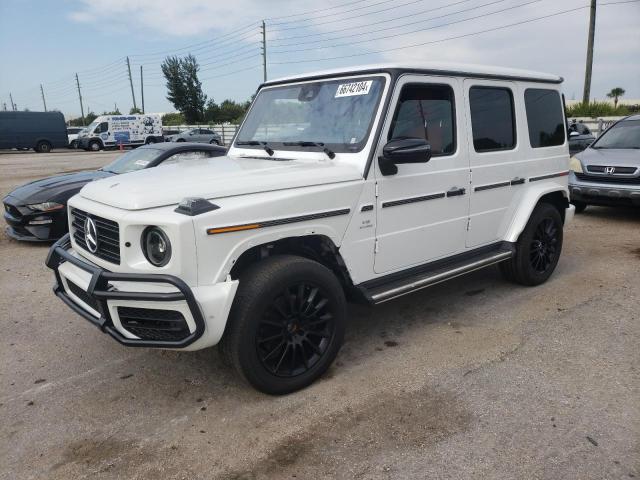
(403,150)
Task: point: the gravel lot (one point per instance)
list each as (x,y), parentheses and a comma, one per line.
(475,378)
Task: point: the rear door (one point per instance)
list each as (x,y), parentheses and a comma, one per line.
(494,154)
(422,211)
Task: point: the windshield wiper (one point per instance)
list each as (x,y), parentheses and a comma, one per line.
(329,152)
(266,147)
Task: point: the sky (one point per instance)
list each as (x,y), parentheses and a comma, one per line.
(48,41)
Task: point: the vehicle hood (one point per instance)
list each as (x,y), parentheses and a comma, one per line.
(56,188)
(627,157)
(214,178)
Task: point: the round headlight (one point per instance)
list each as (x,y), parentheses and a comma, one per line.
(156,246)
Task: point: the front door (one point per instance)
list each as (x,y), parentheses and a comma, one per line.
(422,211)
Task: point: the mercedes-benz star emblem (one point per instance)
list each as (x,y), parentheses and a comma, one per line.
(91,235)
(609,170)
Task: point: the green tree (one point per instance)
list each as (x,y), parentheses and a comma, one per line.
(114,112)
(184,88)
(616,93)
(169,119)
(135,111)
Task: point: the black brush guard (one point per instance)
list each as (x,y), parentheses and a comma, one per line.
(100,290)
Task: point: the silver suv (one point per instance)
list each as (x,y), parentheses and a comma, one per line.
(200,135)
(608,171)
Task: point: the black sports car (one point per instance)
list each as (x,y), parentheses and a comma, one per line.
(37,211)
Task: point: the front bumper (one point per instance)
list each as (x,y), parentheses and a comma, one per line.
(163,305)
(27,225)
(595,193)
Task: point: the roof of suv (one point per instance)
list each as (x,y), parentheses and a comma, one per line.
(437,68)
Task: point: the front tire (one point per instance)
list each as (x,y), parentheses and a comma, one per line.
(580,206)
(94,146)
(286,324)
(538,248)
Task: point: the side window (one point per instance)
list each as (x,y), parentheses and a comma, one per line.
(544,116)
(185,157)
(492,119)
(426,111)
(207,132)
(104,127)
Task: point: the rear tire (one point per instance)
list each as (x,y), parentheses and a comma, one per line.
(180,140)
(43,147)
(286,323)
(580,206)
(538,248)
(150,140)
(214,142)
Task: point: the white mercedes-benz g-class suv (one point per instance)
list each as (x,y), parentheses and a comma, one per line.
(366,183)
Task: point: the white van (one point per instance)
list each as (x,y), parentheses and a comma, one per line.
(363,183)
(115,130)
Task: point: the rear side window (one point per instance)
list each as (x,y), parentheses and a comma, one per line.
(544,116)
(426,111)
(492,119)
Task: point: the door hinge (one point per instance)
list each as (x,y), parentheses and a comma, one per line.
(376,189)
(375,247)
(470,177)
(468,222)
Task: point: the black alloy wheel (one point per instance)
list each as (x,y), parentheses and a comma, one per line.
(538,248)
(286,323)
(543,249)
(295,330)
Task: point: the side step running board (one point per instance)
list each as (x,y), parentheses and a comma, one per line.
(379,290)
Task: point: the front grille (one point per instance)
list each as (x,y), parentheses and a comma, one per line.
(154,324)
(608,179)
(82,295)
(617,171)
(13,211)
(108,235)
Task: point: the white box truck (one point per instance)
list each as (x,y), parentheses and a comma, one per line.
(115,130)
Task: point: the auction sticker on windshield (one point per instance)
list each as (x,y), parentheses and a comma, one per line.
(355,88)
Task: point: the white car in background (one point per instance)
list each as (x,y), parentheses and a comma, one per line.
(72,134)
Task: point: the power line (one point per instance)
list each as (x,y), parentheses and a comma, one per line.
(421,44)
(394,19)
(316,11)
(275,24)
(384,37)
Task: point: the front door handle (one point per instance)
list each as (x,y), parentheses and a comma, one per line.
(455,192)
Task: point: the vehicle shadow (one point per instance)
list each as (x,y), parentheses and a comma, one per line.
(617,214)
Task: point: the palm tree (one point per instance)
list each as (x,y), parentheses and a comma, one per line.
(615,93)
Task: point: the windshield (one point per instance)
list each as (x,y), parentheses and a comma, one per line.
(131,161)
(624,134)
(91,126)
(336,113)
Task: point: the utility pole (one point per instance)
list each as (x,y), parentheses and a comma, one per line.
(142,88)
(264,51)
(133,95)
(43,100)
(587,73)
(13,105)
(80,97)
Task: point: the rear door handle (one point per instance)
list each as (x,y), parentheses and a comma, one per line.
(455,192)
(517,181)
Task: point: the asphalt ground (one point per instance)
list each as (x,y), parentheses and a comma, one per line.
(474,378)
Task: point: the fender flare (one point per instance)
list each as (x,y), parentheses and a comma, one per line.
(266,237)
(528,203)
